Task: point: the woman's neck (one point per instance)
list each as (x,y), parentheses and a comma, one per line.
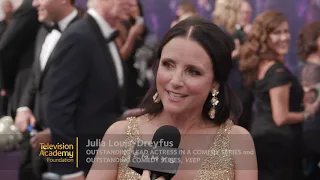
(184,122)
(314,58)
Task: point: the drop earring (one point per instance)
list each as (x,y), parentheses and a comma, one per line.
(156,98)
(214,102)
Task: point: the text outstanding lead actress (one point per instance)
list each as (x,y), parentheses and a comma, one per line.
(195,61)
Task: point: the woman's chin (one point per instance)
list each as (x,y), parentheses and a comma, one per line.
(282,52)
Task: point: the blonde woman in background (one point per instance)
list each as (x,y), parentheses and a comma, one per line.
(227,15)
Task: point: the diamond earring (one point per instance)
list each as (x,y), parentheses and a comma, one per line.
(156,98)
(214,102)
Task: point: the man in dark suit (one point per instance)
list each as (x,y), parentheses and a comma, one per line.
(56,17)
(17,52)
(87,82)
(16,57)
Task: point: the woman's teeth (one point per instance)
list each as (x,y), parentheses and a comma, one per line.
(175,95)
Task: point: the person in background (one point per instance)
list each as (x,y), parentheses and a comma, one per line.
(7,9)
(309,52)
(132,37)
(55,17)
(244,17)
(131,31)
(243,25)
(129,37)
(87,81)
(184,10)
(242,29)
(278,98)
(17,53)
(226,16)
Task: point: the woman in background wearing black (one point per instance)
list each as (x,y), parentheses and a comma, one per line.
(131,38)
(278,107)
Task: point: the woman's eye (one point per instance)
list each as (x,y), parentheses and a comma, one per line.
(277,32)
(166,64)
(194,72)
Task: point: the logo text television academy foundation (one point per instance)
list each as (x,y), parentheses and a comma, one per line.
(57,152)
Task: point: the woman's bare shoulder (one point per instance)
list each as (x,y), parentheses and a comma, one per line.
(241,138)
(119,127)
(235,129)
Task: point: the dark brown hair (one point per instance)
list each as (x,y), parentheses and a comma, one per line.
(219,46)
(256,48)
(307,39)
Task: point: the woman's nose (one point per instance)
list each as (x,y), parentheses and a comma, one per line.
(177,79)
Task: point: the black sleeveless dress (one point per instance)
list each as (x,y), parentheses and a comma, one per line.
(278,148)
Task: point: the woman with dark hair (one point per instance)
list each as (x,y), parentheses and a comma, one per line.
(132,36)
(190,93)
(278,107)
(309,53)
